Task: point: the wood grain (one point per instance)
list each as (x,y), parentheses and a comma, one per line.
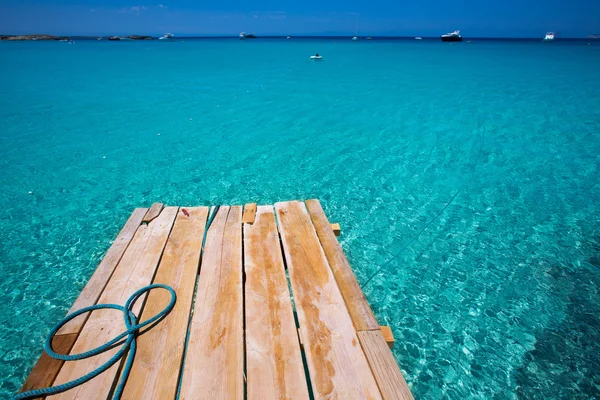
(274,366)
(360,311)
(387,373)
(249,213)
(153,212)
(95,286)
(388,336)
(45,370)
(135,271)
(214,364)
(337,230)
(337,365)
(155,371)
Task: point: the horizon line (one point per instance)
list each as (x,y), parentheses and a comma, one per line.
(267,36)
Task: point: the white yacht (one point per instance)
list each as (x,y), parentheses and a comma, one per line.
(418,38)
(549,37)
(452,37)
(166,36)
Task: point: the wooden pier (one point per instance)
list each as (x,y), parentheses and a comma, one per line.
(236,331)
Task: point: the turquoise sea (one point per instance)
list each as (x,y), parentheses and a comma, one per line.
(492,146)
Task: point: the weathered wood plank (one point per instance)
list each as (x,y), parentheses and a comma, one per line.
(153,212)
(45,370)
(274,368)
(135,270)
(385,369)
(155,371)
(337,365)
(360,311)
(249,213)
(337,230)
(388,336)
(214,364)
(93,289)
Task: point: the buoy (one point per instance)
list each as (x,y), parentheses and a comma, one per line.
(30,192)
(103,156)
(190,119)
(159,134)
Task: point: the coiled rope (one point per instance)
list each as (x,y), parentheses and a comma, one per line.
(133,330)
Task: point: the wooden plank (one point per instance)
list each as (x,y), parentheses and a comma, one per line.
(214,364)
(337,230)
(153,212)
(337,365)
(135,270)
(45,370)
(155,371)
(93,289)
(388,336)
(360,311)
(274,368)
(387,373)
(249,213)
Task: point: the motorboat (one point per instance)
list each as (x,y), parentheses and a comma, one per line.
(452,37)
(100,38)
(418,38)
(166,36)
(549,37)
(245,35)
(316,57)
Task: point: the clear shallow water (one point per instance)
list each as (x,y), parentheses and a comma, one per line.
(497,298)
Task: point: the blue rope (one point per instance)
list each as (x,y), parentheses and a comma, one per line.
(133,328)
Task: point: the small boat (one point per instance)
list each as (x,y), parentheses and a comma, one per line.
(549,37)
(166,36)
(115,38)
(288,37)
(316,57)
(355,38)
(418,38)
(452,37)
(100,38)
(245,35)
(63,40)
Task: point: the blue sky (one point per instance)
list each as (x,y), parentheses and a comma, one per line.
(475,18)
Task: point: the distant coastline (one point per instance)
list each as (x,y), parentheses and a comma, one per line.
(52,37)
(32,37)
